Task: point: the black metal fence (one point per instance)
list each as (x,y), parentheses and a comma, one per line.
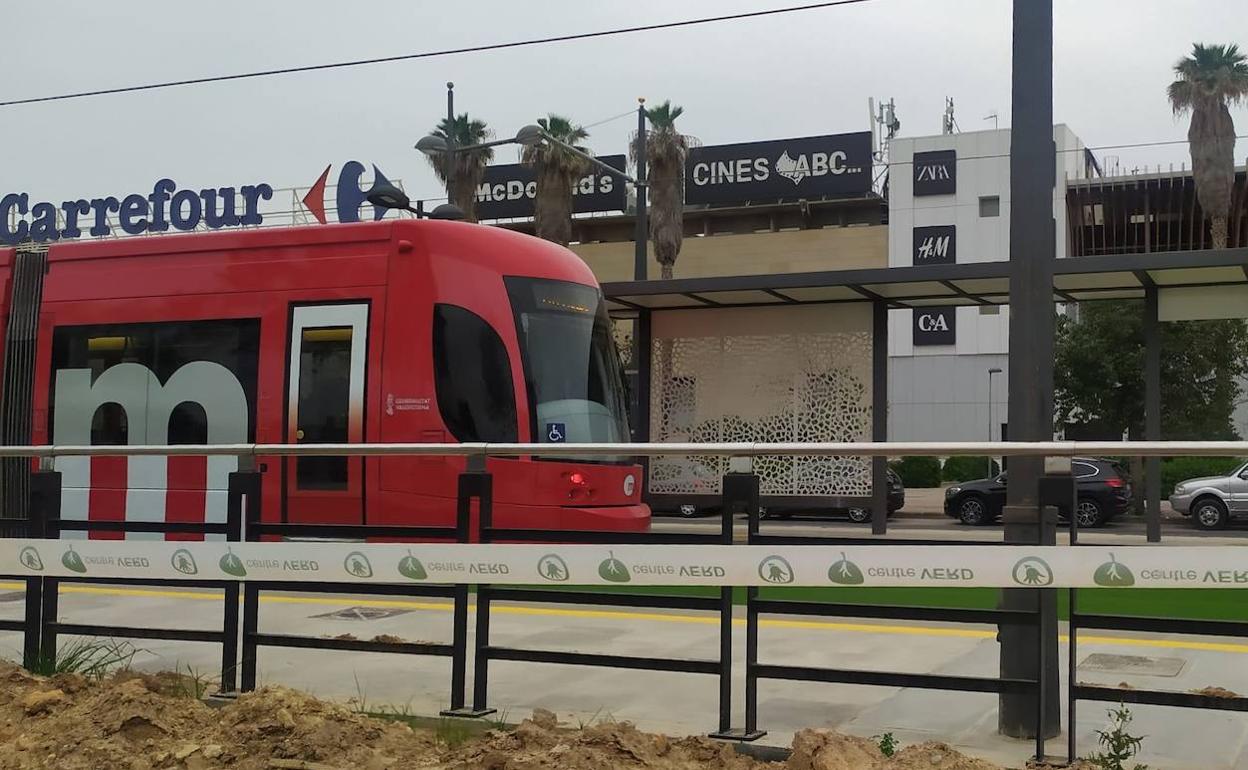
(240,642)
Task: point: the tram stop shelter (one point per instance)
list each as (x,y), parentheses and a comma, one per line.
(804,357)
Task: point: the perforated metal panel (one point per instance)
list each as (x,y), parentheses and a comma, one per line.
(762,374)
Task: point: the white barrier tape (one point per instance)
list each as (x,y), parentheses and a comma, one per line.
(642,565)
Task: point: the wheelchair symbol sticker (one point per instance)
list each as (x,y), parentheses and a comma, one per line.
(556,432)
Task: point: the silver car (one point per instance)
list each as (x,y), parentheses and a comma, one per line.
(1211,502)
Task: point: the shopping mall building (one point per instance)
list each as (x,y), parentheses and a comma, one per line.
(764,334)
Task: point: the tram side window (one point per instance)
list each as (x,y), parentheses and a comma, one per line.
(472,375)
(324,404)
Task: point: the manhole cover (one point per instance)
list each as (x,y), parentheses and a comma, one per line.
(363,613)
(1132,664)
(13,596)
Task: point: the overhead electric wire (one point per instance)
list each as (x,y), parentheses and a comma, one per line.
(432,54)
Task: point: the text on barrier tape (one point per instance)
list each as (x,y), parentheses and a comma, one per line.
(643,565)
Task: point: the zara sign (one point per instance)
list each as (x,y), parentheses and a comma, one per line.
(935,326)
(936,173)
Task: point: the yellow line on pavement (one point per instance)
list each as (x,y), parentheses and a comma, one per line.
(659,617)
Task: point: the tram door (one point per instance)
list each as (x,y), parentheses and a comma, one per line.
(325,405)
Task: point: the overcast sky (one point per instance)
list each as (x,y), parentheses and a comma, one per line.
(789,75)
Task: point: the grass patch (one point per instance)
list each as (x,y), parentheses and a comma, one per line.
(92,658)
(1183,603)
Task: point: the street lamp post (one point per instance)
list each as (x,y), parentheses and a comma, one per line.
(992,371)
(450,142)
(642,234)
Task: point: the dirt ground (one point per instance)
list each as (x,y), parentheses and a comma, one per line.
(136,721)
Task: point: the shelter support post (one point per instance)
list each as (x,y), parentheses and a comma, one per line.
(1152,413)
(879,415)
(1033,166)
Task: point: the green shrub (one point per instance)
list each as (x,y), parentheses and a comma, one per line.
(968,468)
(918,472)
(1177,469)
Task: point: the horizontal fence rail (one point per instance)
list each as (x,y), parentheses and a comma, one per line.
(744,449)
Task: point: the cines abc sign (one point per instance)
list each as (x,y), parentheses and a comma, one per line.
(784,169)
(168,207)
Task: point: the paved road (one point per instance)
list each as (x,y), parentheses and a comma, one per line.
(685,703)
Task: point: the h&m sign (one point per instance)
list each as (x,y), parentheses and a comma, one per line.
(935,326)
(782,169)
(936,173)
(935,245)
(509,190)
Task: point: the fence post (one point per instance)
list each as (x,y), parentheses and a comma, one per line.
(1058,491)
(49,481)
(481,640)
(237,489)
(476,483)
(45,504)
(740,495)
(244,497)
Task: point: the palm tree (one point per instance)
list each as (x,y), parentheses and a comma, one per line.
(558,171)
(666,149)
(469,166)
(1212,77)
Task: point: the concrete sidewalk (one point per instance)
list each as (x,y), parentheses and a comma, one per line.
(680,704)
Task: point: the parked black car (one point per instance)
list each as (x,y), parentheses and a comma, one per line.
(896,500)
(1102,489)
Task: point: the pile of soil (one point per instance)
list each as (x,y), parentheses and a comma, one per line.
(137,721)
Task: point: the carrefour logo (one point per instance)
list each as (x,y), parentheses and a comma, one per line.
(350,193)
(135,214)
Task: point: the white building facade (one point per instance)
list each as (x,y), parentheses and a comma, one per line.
(949,202)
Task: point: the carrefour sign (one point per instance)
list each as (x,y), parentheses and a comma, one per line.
(135,214)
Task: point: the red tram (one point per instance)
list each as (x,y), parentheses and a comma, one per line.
(391,331)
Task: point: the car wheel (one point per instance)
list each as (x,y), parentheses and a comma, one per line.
(688,511)
(1210,513)
(1088,513)
(859,515)
(973,511)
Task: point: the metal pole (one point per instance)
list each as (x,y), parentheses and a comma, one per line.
(879,415)
(1032,253)
(450,142)
(642,234)
(989,474)
(1152,413)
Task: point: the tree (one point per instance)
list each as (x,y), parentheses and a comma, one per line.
(469,166)
(1098,372)
(1210,79)
(558,171)
(666,149)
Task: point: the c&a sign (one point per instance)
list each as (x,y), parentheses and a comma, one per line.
(935,326)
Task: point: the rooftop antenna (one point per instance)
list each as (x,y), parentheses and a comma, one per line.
(948,123)
(884,126)
(993,117)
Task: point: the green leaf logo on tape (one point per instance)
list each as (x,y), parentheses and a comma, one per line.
(29,558)
(845,572)
(1113,574)
(73,561)
(184,562)
(1033,571)
(410,567)
(232,565)
(552,567)
(774,569)
(357,565)
(613,569)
